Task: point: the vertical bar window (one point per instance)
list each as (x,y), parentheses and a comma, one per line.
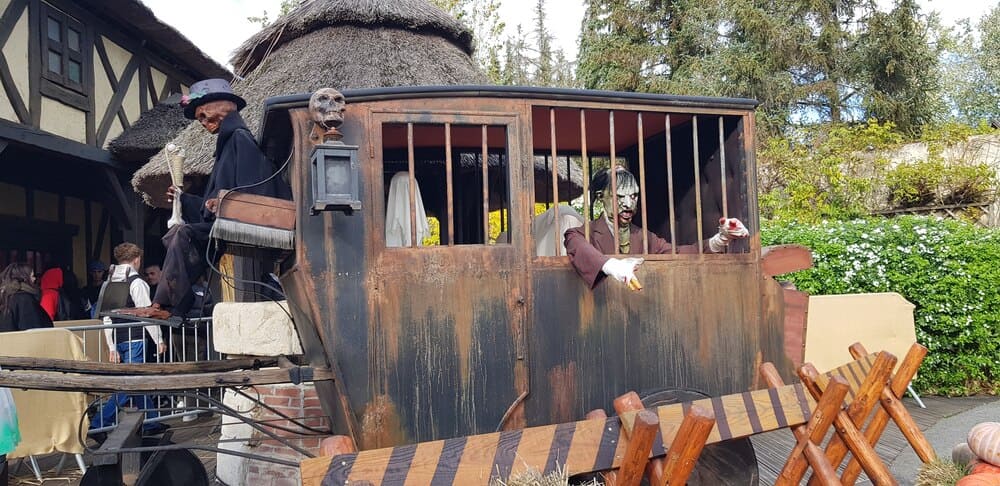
(690,173)
(446,184)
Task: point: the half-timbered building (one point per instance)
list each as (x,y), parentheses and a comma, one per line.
(76,74)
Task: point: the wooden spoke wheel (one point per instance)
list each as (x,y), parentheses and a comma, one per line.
(176,468)
(730,463)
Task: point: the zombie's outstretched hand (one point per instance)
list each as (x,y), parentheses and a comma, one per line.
(729,229)
(622,269)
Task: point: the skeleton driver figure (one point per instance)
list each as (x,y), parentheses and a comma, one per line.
(327,108)
(591,260)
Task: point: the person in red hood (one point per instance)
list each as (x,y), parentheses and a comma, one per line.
(51,282)
(60,296)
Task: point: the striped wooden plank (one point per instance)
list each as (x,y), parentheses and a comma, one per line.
(580,447)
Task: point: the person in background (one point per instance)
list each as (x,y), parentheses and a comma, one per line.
(20,309)
(152,276)
(96,273)
(61,298)
(125,345)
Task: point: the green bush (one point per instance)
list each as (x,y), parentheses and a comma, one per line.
(949,269)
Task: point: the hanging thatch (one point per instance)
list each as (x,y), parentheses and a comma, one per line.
(331,43)
(345,44)
(148,135)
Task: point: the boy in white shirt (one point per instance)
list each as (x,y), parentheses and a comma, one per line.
(125,345)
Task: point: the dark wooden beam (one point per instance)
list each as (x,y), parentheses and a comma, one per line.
(9,19)
(62,209)
(29,203)
(116,101)
(96,368)
(153,98)
(45,380)
(109,71)
(34,68)
(88,230)
(34,138)
(102,228)
(120,205)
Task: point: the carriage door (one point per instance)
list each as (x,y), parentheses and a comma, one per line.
(449,272)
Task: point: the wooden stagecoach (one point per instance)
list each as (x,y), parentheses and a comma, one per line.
(484,328)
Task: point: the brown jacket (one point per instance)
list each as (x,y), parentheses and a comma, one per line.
(589,258)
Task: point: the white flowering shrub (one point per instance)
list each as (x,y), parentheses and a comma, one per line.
(949,269)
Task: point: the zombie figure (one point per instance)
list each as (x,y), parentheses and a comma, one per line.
(591,260)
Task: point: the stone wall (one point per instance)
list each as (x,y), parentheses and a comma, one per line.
(292,400)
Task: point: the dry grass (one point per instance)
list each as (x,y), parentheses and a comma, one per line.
(534,477)
(940,473)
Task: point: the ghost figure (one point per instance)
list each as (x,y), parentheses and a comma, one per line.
(327,108)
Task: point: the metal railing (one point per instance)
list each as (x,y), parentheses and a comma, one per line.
(189,342)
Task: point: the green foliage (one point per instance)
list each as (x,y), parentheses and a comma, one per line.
(948,269)
(898,68)
(941,181)
(830,172)
(482,17)
(263,21)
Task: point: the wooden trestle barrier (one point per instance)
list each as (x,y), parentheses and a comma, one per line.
(622,445)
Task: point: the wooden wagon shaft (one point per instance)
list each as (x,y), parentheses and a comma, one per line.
(897,386)
(584,446)
(859,409)
(846,426)
(46,380)
(96,368)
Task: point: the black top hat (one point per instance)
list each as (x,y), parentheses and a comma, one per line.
(206,91)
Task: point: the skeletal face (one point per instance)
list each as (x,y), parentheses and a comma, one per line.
(327,108)
(628,199)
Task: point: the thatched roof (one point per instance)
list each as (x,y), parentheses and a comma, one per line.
(342,44)
(140,22)
(412,15)
(147,136)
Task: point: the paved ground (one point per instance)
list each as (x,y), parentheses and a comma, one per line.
(943,436)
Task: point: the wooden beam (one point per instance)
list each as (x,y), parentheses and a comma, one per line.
(115,103)
(102,228)
(24,135)
(109,71)
(98,368)
(13,95)
(45,380)
(34,68)
(782,259)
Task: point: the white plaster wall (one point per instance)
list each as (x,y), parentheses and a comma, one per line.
(131,103)
(159,80)
(63,120)
(15,51)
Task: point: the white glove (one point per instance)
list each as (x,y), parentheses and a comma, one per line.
(729,229)
(621,269)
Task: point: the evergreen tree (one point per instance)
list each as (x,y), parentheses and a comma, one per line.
(899,68)
(482,17)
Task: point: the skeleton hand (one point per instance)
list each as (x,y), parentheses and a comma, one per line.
(622,269)
(729,229)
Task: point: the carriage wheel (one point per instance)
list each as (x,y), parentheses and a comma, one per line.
(177,468)
(723,464)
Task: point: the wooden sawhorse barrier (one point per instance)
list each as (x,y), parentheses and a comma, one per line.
(626,442)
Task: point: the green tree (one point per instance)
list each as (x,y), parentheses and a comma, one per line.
(970,70)
(897,64)
(286,6)
(482,17)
